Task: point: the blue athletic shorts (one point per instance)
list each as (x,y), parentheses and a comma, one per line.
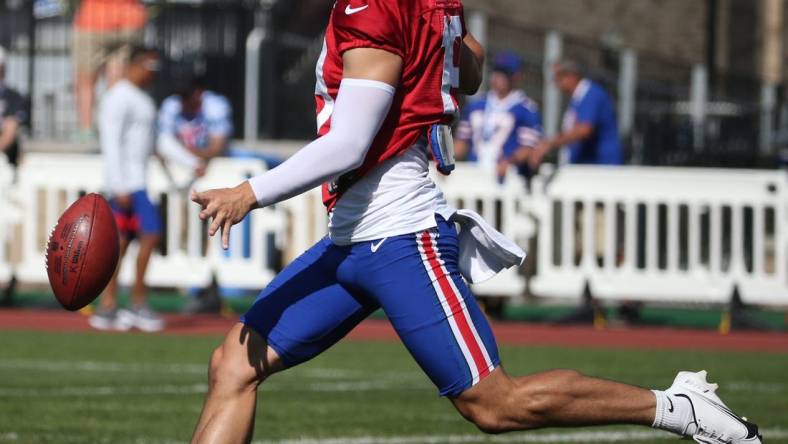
(328,290)
(141,218)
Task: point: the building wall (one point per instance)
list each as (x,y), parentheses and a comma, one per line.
(667,28)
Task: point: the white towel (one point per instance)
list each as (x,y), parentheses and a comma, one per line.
(484,251)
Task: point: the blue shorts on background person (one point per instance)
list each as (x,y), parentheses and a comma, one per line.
(141,218)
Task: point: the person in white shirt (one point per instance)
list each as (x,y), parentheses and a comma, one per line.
(197,119)
(126,123)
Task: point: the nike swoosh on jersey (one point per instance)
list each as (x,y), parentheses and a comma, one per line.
(351,11)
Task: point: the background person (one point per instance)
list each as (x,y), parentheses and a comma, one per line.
(495,127)
(590,134)
(127,130)
(589,129)
(195,119)
(104,30)
(13,115)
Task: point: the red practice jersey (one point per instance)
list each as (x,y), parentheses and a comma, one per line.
(427,35)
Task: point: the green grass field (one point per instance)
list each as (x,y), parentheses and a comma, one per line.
(133,388)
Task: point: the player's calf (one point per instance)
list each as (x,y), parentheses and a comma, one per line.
(237,368)
(500,403)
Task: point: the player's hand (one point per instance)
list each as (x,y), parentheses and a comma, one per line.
(123,201)
(200,170)
(537,155)
(226,207)
(502,168)
(520,157)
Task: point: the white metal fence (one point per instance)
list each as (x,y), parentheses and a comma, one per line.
(662,234)
(49,183)
(634,233)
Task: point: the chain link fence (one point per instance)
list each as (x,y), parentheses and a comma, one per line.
(663,132)
(205,37)
(209,36)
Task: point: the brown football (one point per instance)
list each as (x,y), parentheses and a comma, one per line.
(82,252)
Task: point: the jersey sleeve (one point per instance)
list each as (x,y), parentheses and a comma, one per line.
(218,116)
(167,114)
(369,24)
(529,128)
(464,130)
(587,111)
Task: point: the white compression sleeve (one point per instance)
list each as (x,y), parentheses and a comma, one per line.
(360,109)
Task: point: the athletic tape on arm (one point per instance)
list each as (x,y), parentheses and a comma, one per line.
(360,109)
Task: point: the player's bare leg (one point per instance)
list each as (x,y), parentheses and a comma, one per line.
(84,92)
(147,244)
(109,300)
(501,403)
(237,368)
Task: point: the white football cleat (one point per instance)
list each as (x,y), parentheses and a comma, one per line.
(713,422)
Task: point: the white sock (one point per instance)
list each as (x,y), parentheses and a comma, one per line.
(674,414)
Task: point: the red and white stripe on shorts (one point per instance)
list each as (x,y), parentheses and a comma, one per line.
(453,304)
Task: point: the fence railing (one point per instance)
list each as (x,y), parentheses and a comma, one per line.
(663,234)
(629,233)
(186,258)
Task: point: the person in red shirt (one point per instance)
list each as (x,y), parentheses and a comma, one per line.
(387,81)
(104,32)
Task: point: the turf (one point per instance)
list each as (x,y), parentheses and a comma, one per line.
(134,388)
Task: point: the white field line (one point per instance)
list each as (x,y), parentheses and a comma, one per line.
(755,387)
(327,379)
(556,437)
(321,373)
(108,367)
(167,389)
(65,438)
(125,367)
(191,389)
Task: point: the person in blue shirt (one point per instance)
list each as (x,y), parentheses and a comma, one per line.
(495,127)
(589,130)
(196,119)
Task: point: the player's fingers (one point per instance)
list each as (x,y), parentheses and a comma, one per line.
(198,198)
(210,209)
(216,223)
(226,233)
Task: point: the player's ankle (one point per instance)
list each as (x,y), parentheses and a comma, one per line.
(672,414)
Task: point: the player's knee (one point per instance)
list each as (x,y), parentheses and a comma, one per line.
(488,421)
(230,372)
(487,417)
(213,367)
